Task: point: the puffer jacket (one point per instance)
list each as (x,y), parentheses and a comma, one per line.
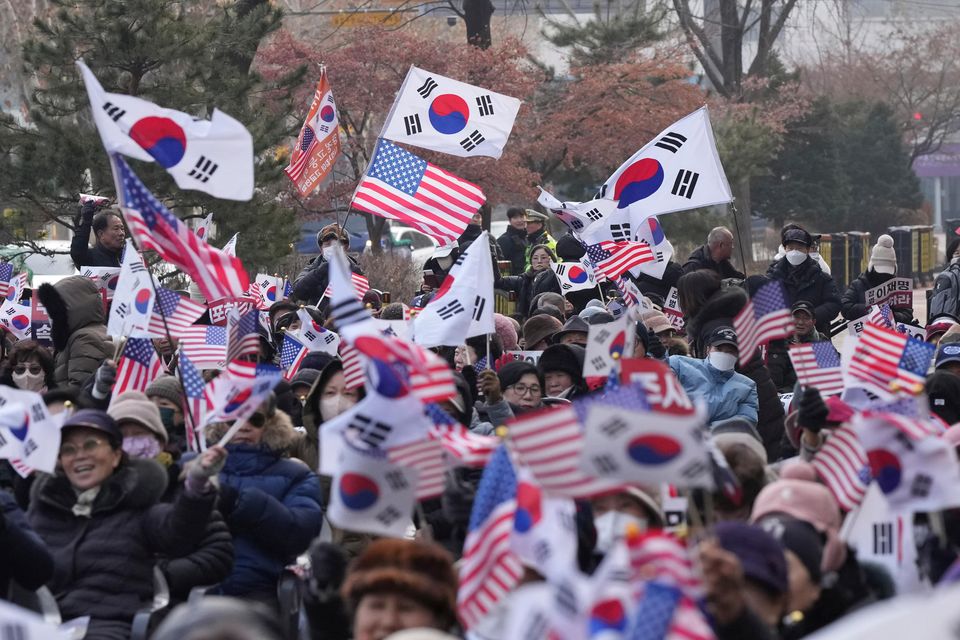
(727,394)
(77,329)
(276,511)
(853,304)
(808,282)
(103,565)
(23,556)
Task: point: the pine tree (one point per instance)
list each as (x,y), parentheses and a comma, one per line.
(184,55)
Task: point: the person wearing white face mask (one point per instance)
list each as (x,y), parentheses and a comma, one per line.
(29,367)
(881,268)
(327,398)
(803,279)
(726,393)
(615,513)
(313,280)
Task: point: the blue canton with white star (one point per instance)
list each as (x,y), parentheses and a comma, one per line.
(916,356)
(138,197)
(139,350)
(398,168)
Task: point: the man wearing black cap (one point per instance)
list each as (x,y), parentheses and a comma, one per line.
(313,280)
(727,394)
(803,279)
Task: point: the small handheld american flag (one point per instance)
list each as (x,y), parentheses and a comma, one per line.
(817,365)
(765,317)
(842,464)
(613,259)
(886,361)
(138,366)
(178,312)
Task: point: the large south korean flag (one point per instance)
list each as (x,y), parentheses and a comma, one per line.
(435,112)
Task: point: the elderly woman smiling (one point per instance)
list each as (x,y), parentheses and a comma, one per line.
(101,518)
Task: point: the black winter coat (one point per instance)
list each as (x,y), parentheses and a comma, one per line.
(808,282)
(770,413)
(23,556)
(853,303)
(103,565)
(700,259)
(313,280)
(513,247)
(649,285)
(84,255)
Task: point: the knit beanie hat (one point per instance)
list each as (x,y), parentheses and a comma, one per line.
(167,387)
(421,571)
(133,406)
(566,358)
(883,259)
(505,329)
(655,320)
(539,327)
(760,555)
(799,495)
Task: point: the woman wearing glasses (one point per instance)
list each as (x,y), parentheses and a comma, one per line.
(101,518)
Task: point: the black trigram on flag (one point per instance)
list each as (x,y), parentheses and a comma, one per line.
(113,111)
(485,105)
(427,88)
(594,214)
(472,141)
(882,538)
(448,311)
(369,431)
(685,183)
(204,169)
(478,304)
(397,480)
(561,269)
(324,128)
(388,515)
(620,231)
(412,124)
(598,362)
(671,142)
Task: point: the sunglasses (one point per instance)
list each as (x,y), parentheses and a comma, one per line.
(21,369)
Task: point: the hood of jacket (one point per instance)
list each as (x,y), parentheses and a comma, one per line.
(278,433)
(136,484)
(72,303)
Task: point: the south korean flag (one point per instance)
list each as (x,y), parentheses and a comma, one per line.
(439,113)
(574,276)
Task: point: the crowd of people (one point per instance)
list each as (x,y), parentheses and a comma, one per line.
(131,503)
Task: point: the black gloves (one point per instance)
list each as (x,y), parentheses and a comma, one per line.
(87,209)
(228,500)
(812,411)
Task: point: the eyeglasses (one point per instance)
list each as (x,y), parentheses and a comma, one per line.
(21,369)
(523,389)
(88,447)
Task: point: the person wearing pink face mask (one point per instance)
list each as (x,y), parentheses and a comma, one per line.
(29,366)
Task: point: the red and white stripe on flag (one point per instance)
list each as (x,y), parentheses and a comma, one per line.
(885,360)
(138,366)
(360,284)
(426,458)
(549,443)
(817,365)
(318,144)
(765,317)
(842,464)
(399,185)
(352,366)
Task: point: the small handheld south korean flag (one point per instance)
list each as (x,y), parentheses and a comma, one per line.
(574,276)
(133,300)
(607,343)
(370,494)
(439,113)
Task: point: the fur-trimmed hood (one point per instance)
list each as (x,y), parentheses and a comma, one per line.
(278,432)
(135,484)
(71,303)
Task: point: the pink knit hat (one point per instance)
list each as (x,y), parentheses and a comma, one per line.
(505,328)
(799,495)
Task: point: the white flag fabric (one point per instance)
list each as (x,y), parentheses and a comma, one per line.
(16,318)
(576,215)
(435,112)
(214,156)
(105,278)
(370,494)
(203,229)
(574,276)
(678,170)
(544,533)
(651,232)
(463,305)
(606,343)
(28,432)
(133,299)
(231,247)
(315,337)
(23,624)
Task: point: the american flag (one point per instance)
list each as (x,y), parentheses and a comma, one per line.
(360,284)
(180,313)
(613,259)
(470,449)
(352,366)
(426,457)
(266,290)
(818,365)
(291,355)
(401,186)
(765,317)
(6,272)
(195,403)
(549,443)
(138,366)
(155,228)
(242,336)
(842,464)
(318,145)
(913,426)
(489,570)
(885,360)
(882,315)
(205,346)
